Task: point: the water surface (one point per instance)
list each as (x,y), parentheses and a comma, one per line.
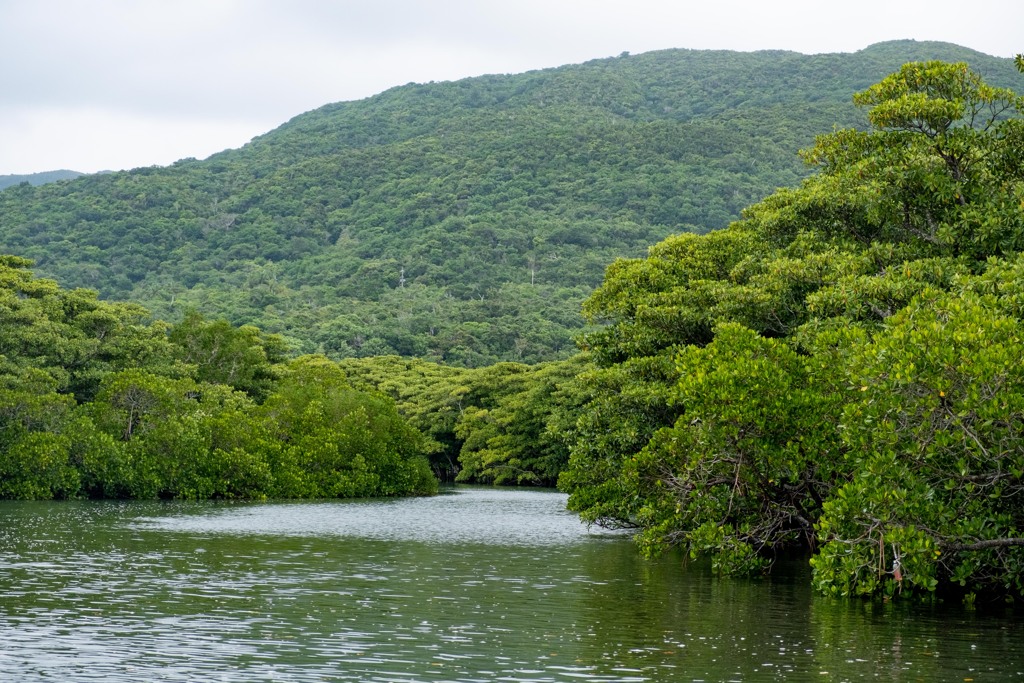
(474,585)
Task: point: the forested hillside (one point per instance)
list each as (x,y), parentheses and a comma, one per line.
(460,222)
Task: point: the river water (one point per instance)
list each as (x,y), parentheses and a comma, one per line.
(472,585)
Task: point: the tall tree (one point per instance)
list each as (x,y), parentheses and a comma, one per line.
(759,427)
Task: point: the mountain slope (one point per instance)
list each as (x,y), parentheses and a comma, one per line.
(37,178)
(461,221)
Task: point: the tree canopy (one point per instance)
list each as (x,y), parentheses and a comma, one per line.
(459,222)
(837,371)
(97,401)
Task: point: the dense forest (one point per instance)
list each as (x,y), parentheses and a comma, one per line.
(836,372)
(98,401)
(840,371)
(460,222)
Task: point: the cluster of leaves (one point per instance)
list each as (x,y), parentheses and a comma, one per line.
(840,370)
(501,424)
(458,222)
(97,401)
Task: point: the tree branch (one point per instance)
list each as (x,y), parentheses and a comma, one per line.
(983,545)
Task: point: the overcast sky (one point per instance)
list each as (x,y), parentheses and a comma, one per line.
(94,85)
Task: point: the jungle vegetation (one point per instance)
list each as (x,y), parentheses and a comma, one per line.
(839,371)
(460,222)
(836,372)
(96,400)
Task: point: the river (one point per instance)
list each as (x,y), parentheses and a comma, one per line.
(472,585)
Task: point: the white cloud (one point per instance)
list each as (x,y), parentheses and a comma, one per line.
(46,138)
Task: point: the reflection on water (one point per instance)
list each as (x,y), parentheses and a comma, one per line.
(464,515)
(477,585)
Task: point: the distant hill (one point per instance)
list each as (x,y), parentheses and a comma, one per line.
(459,221)
(37,178)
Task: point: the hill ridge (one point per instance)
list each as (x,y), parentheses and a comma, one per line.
(460,221)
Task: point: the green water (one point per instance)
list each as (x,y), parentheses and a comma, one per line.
(474,585)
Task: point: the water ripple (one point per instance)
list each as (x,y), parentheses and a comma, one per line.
(475,586)
(466,516)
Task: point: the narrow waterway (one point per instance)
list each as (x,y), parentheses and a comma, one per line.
(473,585)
